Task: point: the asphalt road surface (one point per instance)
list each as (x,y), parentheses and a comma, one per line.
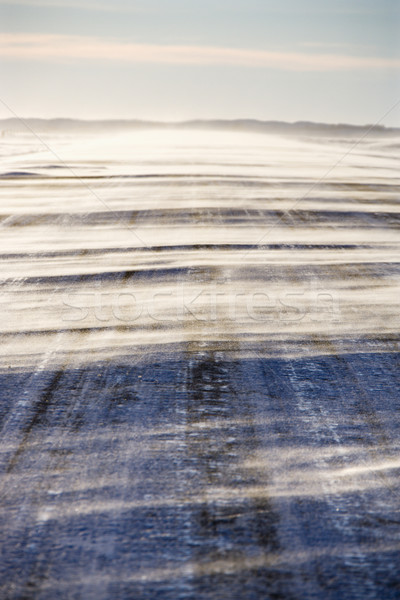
(199,373)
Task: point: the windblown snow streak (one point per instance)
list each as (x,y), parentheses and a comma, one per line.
(200,368)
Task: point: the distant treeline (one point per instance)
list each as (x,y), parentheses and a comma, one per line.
(17,126)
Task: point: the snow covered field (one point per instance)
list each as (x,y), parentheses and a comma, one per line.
(199,374)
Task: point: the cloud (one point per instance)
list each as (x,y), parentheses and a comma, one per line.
(84,4)
(64,47)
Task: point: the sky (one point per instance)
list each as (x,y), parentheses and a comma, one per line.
(318,60)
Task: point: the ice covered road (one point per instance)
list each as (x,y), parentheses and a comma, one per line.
(199,369)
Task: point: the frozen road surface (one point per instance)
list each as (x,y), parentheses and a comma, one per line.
(199,374)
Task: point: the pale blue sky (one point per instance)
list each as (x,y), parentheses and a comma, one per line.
(336,61)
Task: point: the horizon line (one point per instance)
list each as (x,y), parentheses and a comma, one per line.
(196,120)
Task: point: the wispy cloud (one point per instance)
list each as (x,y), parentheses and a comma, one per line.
(64,47)
(84,4)
(332,45)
